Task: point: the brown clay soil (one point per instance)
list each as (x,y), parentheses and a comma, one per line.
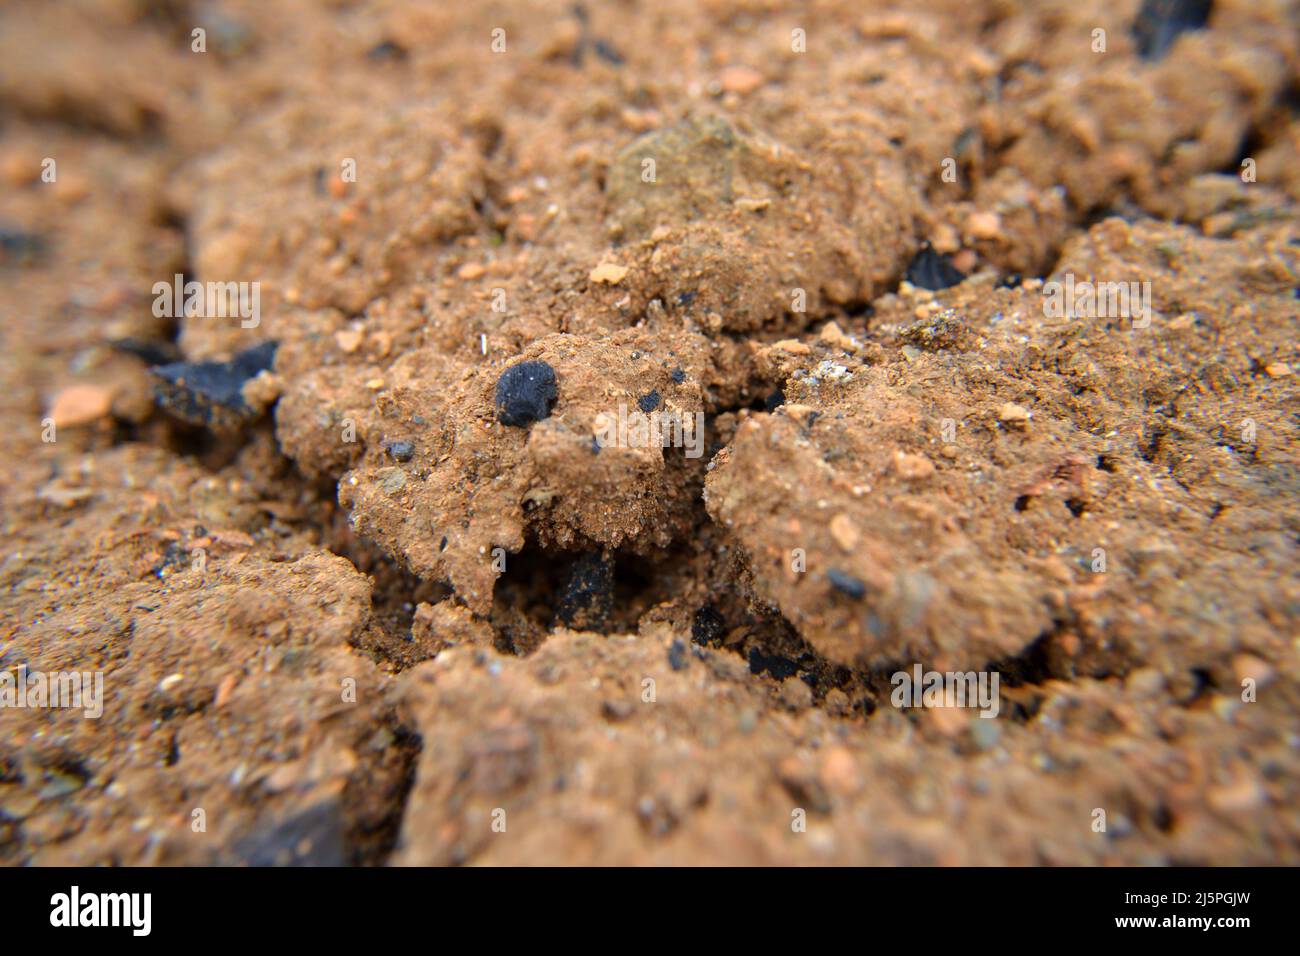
(350,615)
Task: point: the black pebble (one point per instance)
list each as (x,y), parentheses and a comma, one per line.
(1159,23)
(210,393)
(401,450)
(649,401)
(708,626)
(678,376)
(605,50)
(316,836)
(846,583)
(677,658)
(933,271)
(779,667)
(388,51)
(525,394)
(588,595)
(18,247)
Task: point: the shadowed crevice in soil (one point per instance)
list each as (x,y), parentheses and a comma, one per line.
(582,589)
(538,588)
(358,826)
(1058,654)
(314,508)
(775,651)
(375,797)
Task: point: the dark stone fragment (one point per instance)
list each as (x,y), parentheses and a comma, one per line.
(648,402)
(526,393)
(933,271)
(401,450)
(588,596)
(678,376)
(708,626)
(677,658)
(846,583)
(605,50)
(20,248)
(774,664)
(386,52)
(312,837)
(211,393)
(1160,22)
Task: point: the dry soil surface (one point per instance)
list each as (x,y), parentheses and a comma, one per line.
(360,594)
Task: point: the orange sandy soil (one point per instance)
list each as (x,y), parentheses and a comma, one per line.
(365,621)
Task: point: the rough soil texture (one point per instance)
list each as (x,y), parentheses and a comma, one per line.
(354,612)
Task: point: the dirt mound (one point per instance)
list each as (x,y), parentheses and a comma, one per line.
(547,434)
